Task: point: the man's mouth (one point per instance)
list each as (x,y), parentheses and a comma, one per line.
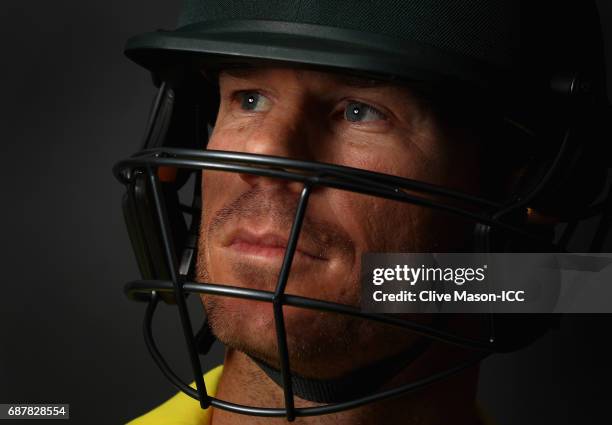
(267,245)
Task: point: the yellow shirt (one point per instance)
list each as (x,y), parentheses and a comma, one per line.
(183,410)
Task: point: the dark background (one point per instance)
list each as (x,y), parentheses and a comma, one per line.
(71,106)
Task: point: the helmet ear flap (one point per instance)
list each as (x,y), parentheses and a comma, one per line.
(514,331)
(142,219)
(568,164)
(175,121)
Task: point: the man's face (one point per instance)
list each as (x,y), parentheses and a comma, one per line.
(246,219)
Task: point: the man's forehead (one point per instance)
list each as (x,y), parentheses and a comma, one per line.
(336,77)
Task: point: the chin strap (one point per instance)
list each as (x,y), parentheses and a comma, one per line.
(356,384)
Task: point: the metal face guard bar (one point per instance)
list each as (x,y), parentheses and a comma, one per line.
(142,286)
(311,175)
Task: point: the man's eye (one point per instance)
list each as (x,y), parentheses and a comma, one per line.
(362,112)
(253,101)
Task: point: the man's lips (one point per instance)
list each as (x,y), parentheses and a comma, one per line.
(266,245)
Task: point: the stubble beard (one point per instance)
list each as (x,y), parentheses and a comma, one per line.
(314,338)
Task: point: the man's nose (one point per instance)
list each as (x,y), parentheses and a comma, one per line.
(284,134)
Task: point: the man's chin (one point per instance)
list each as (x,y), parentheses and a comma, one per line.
(321,345)
(316,340)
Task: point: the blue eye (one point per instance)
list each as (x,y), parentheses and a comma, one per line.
(361,112)
(253,101)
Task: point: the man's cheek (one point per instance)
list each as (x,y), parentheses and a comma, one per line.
(216,191)
(375,224)
(223,138)
(213,181)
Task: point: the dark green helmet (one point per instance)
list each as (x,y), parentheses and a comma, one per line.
(505,47)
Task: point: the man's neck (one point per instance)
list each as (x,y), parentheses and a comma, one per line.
(450,401)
